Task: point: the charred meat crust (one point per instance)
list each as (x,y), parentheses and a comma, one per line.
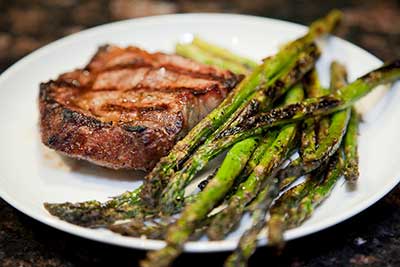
(127,107)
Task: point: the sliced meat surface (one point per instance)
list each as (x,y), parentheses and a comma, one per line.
(128,107)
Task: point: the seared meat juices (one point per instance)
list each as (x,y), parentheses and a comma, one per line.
(128,107)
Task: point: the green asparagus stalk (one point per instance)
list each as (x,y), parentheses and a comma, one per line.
(195,212)
(175,189)
(165,168)
(228,218)
(288,201)
(280,211)
(153,229)
(269,91)
(96,214)
(292,113)
(256,157)
(290,173)
(193,52)
(223,53)
(259,209)
(266,142)
(351,172)
(324,105)
(296,168)
(248,241)
(279,116)
(338,125)
(319,193)
(332,141)
(338,76)
(338,80)
(138,228)
(309,138)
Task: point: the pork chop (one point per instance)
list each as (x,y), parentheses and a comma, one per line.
(128,107)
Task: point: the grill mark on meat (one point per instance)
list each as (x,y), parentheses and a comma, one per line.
(137,65)
(135,57)
(144,80)
(128,123)
(115,107)
(151,78)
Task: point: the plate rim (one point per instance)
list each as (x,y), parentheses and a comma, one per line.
(197,246)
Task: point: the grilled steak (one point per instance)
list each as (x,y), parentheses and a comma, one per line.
(127,107)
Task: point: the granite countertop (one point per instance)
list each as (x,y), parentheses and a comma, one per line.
(371,238)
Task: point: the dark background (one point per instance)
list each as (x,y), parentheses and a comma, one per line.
(371,238)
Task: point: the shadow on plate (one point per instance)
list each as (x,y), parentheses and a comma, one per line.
(56,161)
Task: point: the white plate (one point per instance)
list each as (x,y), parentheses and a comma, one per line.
(31,174)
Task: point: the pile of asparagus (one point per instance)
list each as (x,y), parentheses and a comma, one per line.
(278,109)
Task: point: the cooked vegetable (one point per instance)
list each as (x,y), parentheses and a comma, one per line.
(223,53)
(224,222)
(350,146)
(203,56)
(262,177)
(180,231)
(174,190)
(278,222)
(313,88)
(166,167)
(324,105)
(319,193)
(96,214)
(297,168)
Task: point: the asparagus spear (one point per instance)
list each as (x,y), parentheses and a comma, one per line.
(259,208)
(289,174)
(248,240)
(271,90)
(279,212)
(225,221)
(288,201)
(153,229)
(165,168)
(175,189)
(313,89)
(319,193)
(256,157)
(310,107)
(296,168)
(338,125)
(138,228)
(287,79)
(338,80)
(351,172)
(203,56)
(223,53)
(338,76)
(295,112)
(279,116)
(296,204)
(195,212)
(96,214)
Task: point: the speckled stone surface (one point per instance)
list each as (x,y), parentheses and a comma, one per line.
(371,238)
